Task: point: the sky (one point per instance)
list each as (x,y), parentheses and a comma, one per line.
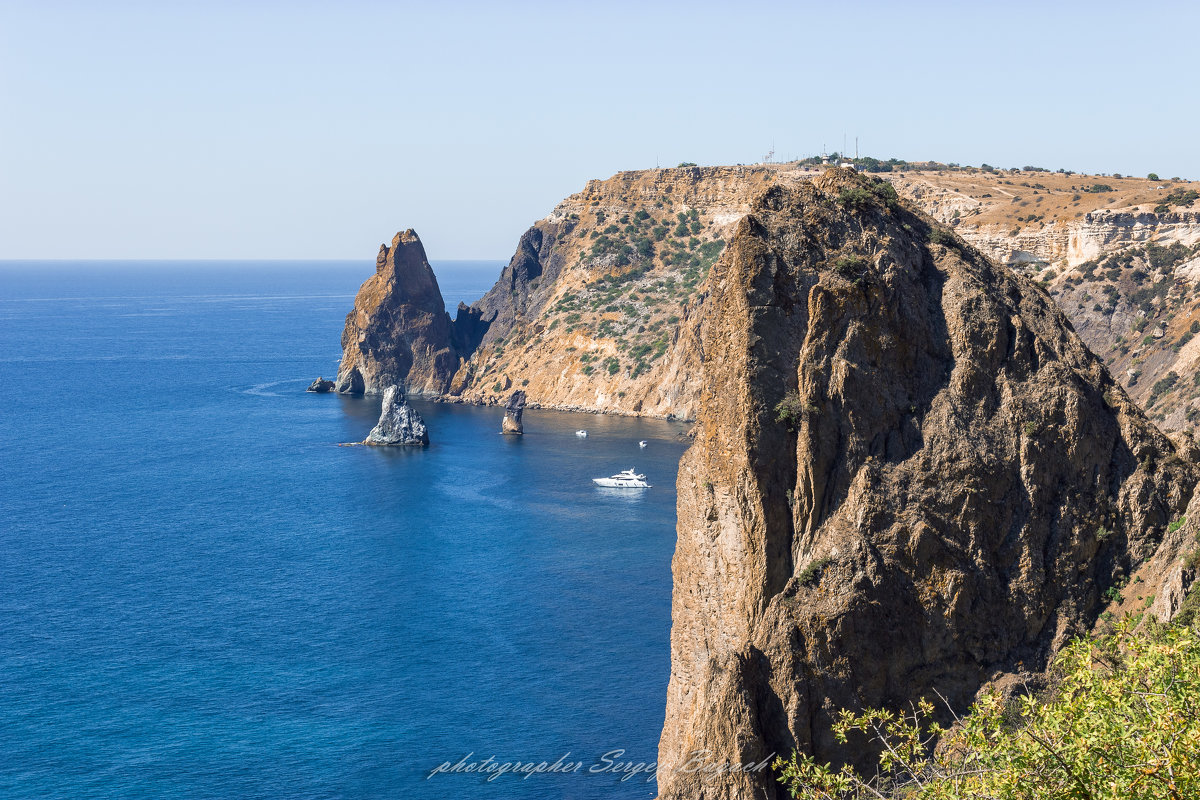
(296,130)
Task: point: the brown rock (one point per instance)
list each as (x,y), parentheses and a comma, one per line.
(903,462)
(399,332)
(512,414)
(320,386)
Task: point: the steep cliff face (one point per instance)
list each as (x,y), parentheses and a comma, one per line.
(909,475)
(399,332)
(587,315)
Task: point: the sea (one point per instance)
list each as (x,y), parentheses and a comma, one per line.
(202,595)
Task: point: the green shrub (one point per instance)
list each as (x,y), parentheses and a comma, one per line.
(940,236)
(887,193)
(811,575)
(850,266)
(856,198)
(790,410)
(1161,387)
(1121,723)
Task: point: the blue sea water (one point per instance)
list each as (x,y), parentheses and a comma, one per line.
(203,596)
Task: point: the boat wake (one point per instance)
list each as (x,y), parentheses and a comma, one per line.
(261,389)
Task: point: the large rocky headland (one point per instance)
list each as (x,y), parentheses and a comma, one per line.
(592,312)
(929,412)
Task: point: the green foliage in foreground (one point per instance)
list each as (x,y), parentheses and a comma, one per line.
(1122,722)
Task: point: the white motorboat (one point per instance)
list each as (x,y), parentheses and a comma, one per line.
(581,434)
(642,443)
(627,479)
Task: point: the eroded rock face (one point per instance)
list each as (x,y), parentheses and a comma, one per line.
(399,331)
(512,414)
(398,423)
(909,475)
(320,386)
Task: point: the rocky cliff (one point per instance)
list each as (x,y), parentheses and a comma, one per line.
(1121,256)
(399,332)
(909,475)
(594,310)
(586,315)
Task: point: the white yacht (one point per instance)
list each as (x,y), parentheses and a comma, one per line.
(582,434)
(628,479)
(642,443)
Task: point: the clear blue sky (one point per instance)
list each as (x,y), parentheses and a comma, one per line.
(316,130)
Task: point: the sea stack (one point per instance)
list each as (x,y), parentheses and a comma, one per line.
(399,331)
(512,414)
(399,424)
(320,386)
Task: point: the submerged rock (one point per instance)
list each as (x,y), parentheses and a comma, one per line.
(512,414)
(398,423)
(320,386)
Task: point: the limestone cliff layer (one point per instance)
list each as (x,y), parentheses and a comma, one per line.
(909,475)
(1121,256)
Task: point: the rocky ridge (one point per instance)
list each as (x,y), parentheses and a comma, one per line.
(586,315)
(592,312)
(909,475)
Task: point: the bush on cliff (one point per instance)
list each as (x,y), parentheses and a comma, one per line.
(855,198)
(789,411)
(1122,721)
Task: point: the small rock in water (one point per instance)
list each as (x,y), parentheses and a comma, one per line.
(320,386)
(399,424)
(512,414)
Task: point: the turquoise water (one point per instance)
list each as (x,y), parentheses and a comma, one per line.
(202,595)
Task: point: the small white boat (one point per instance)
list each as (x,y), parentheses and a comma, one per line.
(642,443)
(627,479)
(581,434)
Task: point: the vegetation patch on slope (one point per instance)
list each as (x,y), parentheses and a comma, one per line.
(1120,721)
